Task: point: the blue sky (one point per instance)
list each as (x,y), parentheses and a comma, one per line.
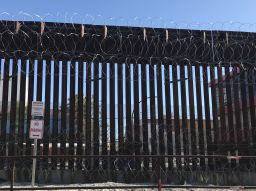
(138,12)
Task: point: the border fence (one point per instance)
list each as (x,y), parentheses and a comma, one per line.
(127,102)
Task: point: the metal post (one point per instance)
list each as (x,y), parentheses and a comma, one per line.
(34,163)
(12,174)
(159,181)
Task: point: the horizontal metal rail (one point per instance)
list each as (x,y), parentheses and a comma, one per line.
(127,156)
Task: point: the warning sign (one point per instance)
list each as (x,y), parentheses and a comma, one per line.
(37,109)
(36,129)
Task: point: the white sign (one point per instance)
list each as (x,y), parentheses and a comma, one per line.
(36,129)
(37,109)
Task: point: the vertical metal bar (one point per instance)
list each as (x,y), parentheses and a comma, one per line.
(12,174)
(168,109)
(239,135)
(129,145)
(176,110)
(23,68)
(222,130)
(13,107)
(2,61)
(30,99)
(5,107)
(136,113)
(39,96)
(39,79)
(221,104)
(216,137)
(34,164)
(160,109)
(229,106)
(199,112)
(229,110)
(76,134)
(144,113)
(243,84)
(64,136)
(84,114)
(184,109)
(252,102)
(55,111)
(8,145)
(192,112)
(112,113)
(152,112)
(80,107)
(72,112)
(104,113)
(207,111)
(247,102)
(120,110)
(47,110)
(88,108)
(96,112)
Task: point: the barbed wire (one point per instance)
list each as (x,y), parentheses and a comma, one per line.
(134,169)
(155,22)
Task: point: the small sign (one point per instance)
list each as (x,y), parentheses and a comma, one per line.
(36,129)
(37,109)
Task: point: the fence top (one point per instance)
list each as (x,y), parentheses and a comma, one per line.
(63,41)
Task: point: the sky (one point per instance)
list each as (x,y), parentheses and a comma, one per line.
(227,14)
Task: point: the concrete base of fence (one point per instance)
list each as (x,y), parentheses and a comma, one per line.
(234,178)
